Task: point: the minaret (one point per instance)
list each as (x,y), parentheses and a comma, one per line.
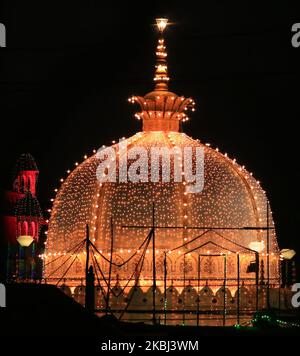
(21,222)
(162,110)
(26,174)
(29,218)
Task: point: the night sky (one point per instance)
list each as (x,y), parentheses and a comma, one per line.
(69,69)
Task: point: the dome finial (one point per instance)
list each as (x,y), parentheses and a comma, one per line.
(161,24)
(162,110)
(161,68)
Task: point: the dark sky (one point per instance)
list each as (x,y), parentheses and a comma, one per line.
(69,68)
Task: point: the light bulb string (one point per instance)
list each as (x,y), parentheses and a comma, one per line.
(95,264)
(140,264)
(142,259)
(70,250)
(63,263)
(133,273)
(100,270)
(125,262)
(188,242)
(217,233)
(67,270)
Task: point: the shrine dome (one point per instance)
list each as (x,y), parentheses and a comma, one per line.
(230,212)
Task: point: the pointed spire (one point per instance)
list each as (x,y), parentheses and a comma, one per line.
(162,110)
(161,68)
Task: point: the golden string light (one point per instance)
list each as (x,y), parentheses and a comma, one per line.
(231,197)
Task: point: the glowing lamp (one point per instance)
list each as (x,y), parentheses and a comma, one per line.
(257,246)
(287,253)
(25,240)
(161,24)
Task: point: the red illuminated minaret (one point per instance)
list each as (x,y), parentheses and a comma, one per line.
(22,221)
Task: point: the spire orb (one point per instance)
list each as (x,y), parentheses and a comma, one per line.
(161,24)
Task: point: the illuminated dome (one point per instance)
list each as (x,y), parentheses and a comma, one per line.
(228,217)
(231,197)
